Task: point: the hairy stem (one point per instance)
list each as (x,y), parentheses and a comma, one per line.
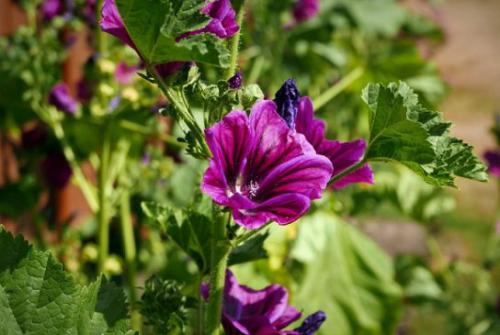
(336,89)
(177,100)
(235,43)
(103,217)
(130,255)
(218,265)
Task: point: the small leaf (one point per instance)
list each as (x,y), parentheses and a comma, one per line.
(250,251)
(402,130)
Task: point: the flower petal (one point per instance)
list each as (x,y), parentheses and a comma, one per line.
(306,174)
(290,315)
(274,142)
(305,123)
(112,23)
(363,175)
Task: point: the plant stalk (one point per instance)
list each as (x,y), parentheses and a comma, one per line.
(218,265)
(235,44)
(338,88)
(130,252)
(103,214)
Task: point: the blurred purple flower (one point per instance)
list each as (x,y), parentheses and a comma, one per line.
(493,160)
(84,91)
(60,98)
(312,323)
(223,25)
(125,73)
(89,12)
(265,312)
(52,8)
(262,169)
(343,155)
(33,137)
(305,10)
(236,81)
(56,170)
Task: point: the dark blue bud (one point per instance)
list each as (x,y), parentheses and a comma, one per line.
(287,100)
(236,81)
(312,323)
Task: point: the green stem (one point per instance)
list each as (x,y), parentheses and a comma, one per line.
(100,39)
(130,255)
(336,89)
(218,265)
(235,44)
(82,182)
(103,214)
(176,99)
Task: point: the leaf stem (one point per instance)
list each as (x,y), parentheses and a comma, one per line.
(130,252)
(103,214)
(336,89)
(235,43)
(347,172)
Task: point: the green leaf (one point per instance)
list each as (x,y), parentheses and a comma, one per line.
(347,276)
(155,25)
(38,297)
(193,232)
(251,250)
(403,130)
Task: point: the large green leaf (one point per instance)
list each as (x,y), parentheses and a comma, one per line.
(155,25)
(347,276)
(38,297)
(403,130)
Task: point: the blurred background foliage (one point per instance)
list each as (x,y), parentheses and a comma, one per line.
(397,257)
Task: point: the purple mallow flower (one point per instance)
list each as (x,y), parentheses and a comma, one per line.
(343,155)
(262,169)
(305,10)
(60,98)
(265,312)
(223,24)
(493,160)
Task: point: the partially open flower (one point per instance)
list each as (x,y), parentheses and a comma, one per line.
(262,169)
(60,98)
(343,155)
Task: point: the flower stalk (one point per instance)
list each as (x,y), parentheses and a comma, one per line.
(103,216)
(338,88)
(235,43)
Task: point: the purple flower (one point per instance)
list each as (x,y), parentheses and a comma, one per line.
(52,8)
(56,170)
(262,169)
(264,312)
(223,24)
(305,10)
(84,91)
(343,155)
(236,81)
(60,98)
(312,323)
(493,160)
(124,73)
(88,12)
(33,137)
